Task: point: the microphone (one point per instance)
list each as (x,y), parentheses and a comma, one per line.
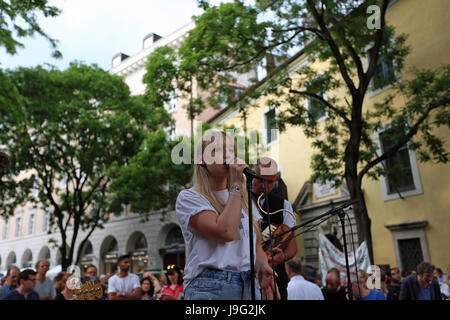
(249,173)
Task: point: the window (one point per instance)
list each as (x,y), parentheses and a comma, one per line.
(172,104)
(383,76)
(316,109)
(31,221)
(233,96)
(18,224)
(270,127)
(46,221)
(171,132)
(174,236)
(35,190)
(399,166)
(402,177)
(5,229)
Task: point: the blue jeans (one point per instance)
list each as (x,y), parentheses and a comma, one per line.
(221,285)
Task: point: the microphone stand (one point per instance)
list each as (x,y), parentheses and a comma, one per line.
(250,231)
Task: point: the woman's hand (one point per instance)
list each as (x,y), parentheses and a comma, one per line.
(236,168)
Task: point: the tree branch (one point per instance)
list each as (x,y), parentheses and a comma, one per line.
(334,48)
(321,99)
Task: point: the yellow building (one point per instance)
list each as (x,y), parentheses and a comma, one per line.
(408,225)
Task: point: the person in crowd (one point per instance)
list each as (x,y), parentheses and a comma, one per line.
(91,273)
(309,272)
(59,282)
(12,281)
(162,280)
(404,274)
(174,289)
(333,289)
(213,216)
(394,284)
(421,286)
(124,285)
(155,281)
(447,276)
(438,275)
(360,290)
(299,288)
(268,169)
(27,281)
(148,289)
(66,292)
(44,286)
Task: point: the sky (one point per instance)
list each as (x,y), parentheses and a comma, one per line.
(94,31)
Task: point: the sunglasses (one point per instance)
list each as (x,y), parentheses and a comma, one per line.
(171,267)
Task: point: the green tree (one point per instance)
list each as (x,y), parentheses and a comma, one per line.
(237,36)
(19,19)
(79,126)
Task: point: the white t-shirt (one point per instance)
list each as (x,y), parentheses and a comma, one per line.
(288,219)
(301,289)
(205,253)
(127,284)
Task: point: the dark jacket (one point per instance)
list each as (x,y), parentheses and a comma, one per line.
(393,292)
(410,289)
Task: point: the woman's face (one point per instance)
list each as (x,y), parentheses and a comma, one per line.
(217,154)
(173,277)
(146,285)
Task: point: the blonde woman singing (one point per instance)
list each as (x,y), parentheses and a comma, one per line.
(213,215)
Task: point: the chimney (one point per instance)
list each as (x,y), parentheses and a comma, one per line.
(118,58)
(150,39)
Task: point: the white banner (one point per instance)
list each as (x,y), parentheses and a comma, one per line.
(331,257)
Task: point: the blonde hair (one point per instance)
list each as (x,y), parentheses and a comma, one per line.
(200,179)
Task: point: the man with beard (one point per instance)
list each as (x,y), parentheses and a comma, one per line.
(11,283)
(394,285)
(268,169)
(421,286)
(333,289)
(124,285)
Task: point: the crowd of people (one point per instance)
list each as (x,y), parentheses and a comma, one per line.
(32,284)
(424,283)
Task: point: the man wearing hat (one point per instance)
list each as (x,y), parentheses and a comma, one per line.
(299,288)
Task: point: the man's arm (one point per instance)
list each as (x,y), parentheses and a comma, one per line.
(265,274)
(135,295)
